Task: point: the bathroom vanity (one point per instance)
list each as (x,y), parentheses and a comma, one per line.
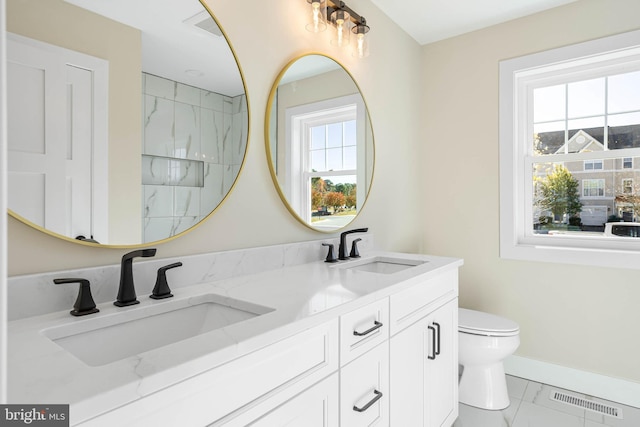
(370,341)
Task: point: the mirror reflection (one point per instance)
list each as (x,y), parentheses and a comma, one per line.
(320,142)
(128,119)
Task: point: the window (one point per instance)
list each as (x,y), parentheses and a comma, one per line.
(593,187)
(569,128)
(327,160)
(592,165)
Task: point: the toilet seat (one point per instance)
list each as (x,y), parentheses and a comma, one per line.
(480,323)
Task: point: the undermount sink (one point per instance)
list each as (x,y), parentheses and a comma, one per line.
(127,332)
(382,264)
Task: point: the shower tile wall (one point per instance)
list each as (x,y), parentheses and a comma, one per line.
(185,122)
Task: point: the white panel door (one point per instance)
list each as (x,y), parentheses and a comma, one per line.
(57,137)
(36,133)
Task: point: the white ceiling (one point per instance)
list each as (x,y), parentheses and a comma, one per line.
(428,21)
(172,46)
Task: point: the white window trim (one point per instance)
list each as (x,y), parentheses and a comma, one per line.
(296,120)
(517,240)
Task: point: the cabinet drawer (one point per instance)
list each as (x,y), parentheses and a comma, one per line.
(364,389)
(297,361)
(314,407)
(410,305)
(363,329)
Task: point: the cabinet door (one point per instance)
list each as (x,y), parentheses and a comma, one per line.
(407,364)
(423,371)
(441,376)
(364,389)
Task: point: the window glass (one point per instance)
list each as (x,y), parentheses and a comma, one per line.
(318,138)
(624,92)
(334,132)
(569,141)
(586,98)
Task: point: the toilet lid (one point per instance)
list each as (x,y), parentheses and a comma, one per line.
(480,323)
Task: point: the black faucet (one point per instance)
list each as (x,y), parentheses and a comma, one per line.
(127,291)
(84,302)
(342,249)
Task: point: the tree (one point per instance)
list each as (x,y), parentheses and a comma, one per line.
(628,197)
(335,199)
(316,199)
(558,193)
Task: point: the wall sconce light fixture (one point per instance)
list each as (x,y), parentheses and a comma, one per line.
(344,20)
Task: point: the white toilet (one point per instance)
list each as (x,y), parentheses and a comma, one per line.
(484,341)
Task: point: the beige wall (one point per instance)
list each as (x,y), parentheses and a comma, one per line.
(253,214)
(576,316)
(65,25)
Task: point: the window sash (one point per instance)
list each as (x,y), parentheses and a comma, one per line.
(518,78)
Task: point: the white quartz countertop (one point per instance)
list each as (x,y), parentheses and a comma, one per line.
(300,297)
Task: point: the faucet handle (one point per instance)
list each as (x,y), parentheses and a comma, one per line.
(161,289)
(331,256)
(354,249)
(84,303)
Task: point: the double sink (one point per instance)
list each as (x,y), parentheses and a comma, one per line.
(119,333)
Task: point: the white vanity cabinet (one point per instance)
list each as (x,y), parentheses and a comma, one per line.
(424,354)
(317,406)
(244,389)
(386,357)
(364,366)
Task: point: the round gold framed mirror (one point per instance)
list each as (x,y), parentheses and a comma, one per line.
(128,119)
(319,142)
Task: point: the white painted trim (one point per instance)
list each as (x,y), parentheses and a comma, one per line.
(596,385)
(517,78)
(3,205)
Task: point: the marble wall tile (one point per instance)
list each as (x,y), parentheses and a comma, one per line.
(211,131)
(211,100)
(187,131)
(187,201)
(155,229)
(227,105)
(157,86)
(228,138)
(183,223)
(158,126)
(214,190)
(187,94)
(158,201)
(174,172)
(185,122)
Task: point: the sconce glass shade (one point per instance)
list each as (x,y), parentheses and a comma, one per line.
(317,16)
(342,21)
(362,40)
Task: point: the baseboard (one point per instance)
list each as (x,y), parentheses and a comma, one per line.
(596,385)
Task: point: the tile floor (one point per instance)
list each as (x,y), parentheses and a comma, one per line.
(532,407)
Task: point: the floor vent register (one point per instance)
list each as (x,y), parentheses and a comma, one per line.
(589,405)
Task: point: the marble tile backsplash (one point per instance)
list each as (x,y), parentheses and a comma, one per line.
(184,122)
(32,295)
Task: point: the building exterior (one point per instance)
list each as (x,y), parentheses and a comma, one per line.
(607,187)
